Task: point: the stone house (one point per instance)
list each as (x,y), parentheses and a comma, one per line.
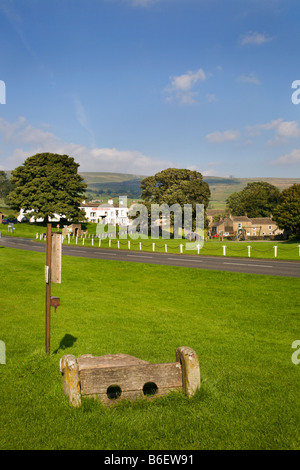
(250,227)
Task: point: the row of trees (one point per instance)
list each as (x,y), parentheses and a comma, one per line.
(49,183)
(261,199)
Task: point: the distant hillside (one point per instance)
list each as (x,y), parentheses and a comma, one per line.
(221,188)
(105,185)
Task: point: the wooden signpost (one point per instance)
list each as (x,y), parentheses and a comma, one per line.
(52,274)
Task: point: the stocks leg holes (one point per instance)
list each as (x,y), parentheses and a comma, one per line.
(113,392)
(149,389)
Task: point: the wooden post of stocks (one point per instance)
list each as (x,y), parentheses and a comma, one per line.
(48,286)
(52,274)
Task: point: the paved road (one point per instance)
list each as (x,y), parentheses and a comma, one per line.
(220,263)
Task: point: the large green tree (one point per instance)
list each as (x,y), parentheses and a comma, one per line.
(257,199)
(287,212)
(175,186)
(48,183)
(5,185)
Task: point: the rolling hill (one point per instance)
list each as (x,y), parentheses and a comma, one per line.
(106,185)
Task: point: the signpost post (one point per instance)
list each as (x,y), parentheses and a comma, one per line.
(52,274)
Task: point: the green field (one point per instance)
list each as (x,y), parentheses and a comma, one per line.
(107,185)
(263,250)
(287,250)
(241,326)
(114,184)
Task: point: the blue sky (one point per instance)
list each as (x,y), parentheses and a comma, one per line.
(136,86)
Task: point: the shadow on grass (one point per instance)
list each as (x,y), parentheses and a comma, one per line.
(66,342)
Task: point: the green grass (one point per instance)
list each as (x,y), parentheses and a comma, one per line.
(264,250)
(287,250)
(241,326)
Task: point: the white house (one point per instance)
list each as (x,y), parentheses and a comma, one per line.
(110,213)
(25,215)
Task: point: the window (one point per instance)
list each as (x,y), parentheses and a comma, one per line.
(270,227)
(239,225)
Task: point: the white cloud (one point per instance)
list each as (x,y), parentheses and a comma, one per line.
(254,38)
(251,78)
(186,81)
(226,136)
(29,140)
(287,129)
(284,130)
(291,158)
(181,86)
(257,128)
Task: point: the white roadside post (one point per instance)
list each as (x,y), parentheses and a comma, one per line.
(249,251)
(224,250)
(275,251)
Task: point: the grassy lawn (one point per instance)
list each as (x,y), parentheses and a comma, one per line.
(287,250)
(241,326)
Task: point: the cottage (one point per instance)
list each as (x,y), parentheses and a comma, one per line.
(243,225)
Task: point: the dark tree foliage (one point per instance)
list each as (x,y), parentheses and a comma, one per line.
(287,213)
(175,186)
(5,185)
(257,199)
(48,183)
